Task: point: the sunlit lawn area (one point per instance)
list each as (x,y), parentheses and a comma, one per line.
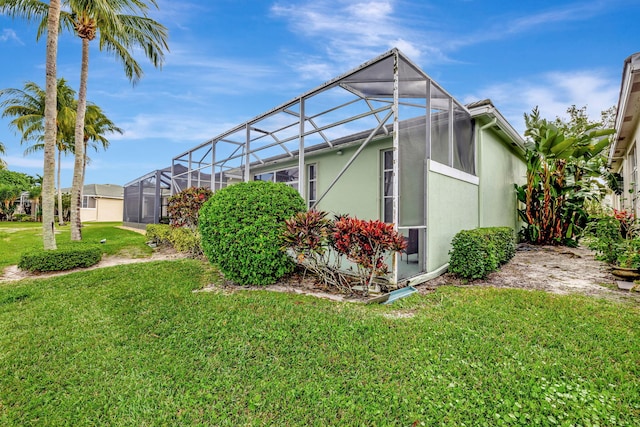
(133,345)
(16,237)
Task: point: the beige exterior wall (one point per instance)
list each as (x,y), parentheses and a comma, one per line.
(106,210)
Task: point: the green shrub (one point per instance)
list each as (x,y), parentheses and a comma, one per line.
(182,239)
(159,233)
(22,218)
(603,235)
(241,228)
(186,240)
(60,259)
(476,253)
(503,240)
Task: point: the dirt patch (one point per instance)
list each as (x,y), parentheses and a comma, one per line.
(558,270)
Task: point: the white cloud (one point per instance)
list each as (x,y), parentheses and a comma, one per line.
(33,162)
(553,93)
(171,127)
(9,35)
(349,33)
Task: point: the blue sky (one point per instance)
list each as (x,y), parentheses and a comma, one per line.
(231,60)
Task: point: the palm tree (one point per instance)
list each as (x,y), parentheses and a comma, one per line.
(96,126)
(51,25)
(2,162)
(121,25)
(27,106)
(35,193)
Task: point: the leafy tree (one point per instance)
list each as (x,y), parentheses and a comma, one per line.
(8,196)
(17,179)
(563,160)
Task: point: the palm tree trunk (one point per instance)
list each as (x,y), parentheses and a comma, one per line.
(60,216)
(50,128)
(78,164)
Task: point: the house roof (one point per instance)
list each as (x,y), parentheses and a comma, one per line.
(628,111)
(107,191)
(484,109)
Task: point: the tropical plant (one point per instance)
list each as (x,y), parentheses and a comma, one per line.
(27,107)
(308,236)
(366,243)
(562,164)
(615,237)
(184,206)
(319,244)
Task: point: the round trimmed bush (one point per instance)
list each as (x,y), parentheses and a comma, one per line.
(241,230)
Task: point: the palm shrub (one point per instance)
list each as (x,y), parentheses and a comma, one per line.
(241,230)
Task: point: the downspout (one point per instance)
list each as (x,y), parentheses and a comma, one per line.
(479,172)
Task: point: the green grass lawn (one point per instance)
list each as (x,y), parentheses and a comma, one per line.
(17,237)
(133,345)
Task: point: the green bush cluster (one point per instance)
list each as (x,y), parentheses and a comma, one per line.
(160,234)
(61,259)
(182,239)
(241,228)
(476,253)
(615,239)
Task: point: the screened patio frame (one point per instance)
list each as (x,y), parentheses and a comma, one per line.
(368,100)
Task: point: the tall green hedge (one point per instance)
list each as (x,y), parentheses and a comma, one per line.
(476,253)
(241,230)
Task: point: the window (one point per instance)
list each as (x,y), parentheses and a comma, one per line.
(387,186)
(312,184)
(286,176)
(88,202)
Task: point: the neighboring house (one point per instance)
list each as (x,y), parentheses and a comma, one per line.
(624,155)
(100,202)
(383,141)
